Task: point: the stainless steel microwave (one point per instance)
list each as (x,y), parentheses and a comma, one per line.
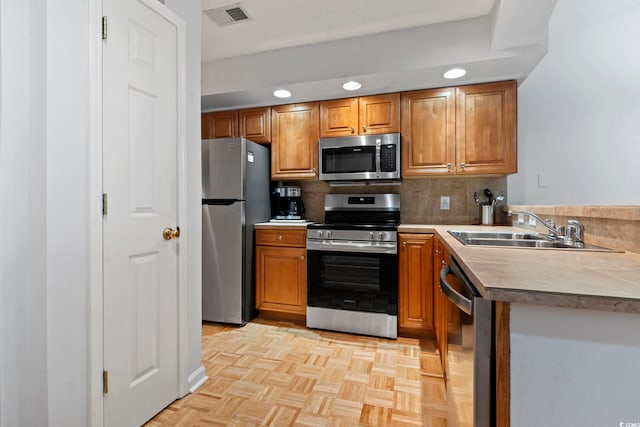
(364,157)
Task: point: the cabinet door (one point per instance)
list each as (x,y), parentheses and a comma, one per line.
(379,113)
(281,279)
(486,128)
(440,304)
(415,285)
(294,141)
(428,132)
(205,125)
(452,312)
(220,124)
(255,124)
(339,117)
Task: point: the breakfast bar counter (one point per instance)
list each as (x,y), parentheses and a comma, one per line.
(555,277)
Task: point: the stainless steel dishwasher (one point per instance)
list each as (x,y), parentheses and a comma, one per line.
(473,347)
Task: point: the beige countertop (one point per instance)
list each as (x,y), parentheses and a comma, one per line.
(566,278)
(287,225)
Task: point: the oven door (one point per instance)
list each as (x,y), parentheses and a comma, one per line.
(354,281)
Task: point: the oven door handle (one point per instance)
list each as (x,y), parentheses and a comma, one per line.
(367,247)
(459,300)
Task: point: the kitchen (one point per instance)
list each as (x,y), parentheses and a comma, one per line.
(560,145)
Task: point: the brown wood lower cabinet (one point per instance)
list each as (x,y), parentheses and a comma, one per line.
(281,271)
(415,284)
(441,303)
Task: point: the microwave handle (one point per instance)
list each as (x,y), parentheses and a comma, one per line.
(378,153)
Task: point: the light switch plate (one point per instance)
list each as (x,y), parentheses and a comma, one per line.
(445,202)
(532,221)
(520,218)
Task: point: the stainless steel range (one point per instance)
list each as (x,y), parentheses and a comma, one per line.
(352,265)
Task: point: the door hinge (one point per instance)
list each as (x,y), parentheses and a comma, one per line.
(105,382)
(104,28)
(104,204)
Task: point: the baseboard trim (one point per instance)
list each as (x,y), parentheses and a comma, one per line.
(197,378)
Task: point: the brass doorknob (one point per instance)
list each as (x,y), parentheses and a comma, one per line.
(170,233)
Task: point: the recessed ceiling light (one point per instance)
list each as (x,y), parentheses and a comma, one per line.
(455,73)
(281,93)
(351,85)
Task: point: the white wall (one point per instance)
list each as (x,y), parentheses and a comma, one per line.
(578,110)
(67,210)
(44,199)
(573,367)
(23,308)
(190,11)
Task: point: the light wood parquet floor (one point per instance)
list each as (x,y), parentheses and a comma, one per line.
(270,373)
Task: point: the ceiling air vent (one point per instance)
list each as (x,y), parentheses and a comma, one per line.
(228,15)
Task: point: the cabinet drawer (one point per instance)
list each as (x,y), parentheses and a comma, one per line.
(269,237)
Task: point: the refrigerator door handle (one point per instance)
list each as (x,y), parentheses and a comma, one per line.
(220,202)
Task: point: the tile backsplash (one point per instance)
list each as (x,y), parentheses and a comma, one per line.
(419,198)
(616,227)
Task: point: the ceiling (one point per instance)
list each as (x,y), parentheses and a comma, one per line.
(312,47)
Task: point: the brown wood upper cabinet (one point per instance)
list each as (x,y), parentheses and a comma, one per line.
(219,124)
(255,124)
(464,130)
(360,116)
(294,141)
(415,284)
(428,132)
(486,128)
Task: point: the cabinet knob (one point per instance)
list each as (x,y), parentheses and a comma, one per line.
(353,130)
(449,167)
(404,243)
(462,166)
(302,257)
(279,236)
(364,129)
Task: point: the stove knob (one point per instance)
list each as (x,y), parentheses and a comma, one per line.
(320,234)
(328,234)
(381,236)
(372,235)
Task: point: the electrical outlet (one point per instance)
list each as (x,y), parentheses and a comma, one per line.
(532,221)
(520,218)
(445,202)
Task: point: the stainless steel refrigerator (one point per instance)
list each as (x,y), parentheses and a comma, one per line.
(235,196)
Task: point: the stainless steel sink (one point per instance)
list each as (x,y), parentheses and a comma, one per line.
(462,235)
(518,240)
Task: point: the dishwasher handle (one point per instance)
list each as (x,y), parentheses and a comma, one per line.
(459,300)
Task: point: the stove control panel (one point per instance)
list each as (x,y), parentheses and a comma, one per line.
(357,235)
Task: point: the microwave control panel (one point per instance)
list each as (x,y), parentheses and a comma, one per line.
(388,158)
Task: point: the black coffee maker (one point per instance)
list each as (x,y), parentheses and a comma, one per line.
(286,203)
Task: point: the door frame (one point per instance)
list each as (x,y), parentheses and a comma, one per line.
(95,302)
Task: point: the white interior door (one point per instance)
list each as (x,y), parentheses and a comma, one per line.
(140,178)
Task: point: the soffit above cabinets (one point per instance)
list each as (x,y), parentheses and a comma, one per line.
(312,47)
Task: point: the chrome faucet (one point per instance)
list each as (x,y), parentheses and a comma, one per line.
(553,231)
(575,233)
(572,234)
